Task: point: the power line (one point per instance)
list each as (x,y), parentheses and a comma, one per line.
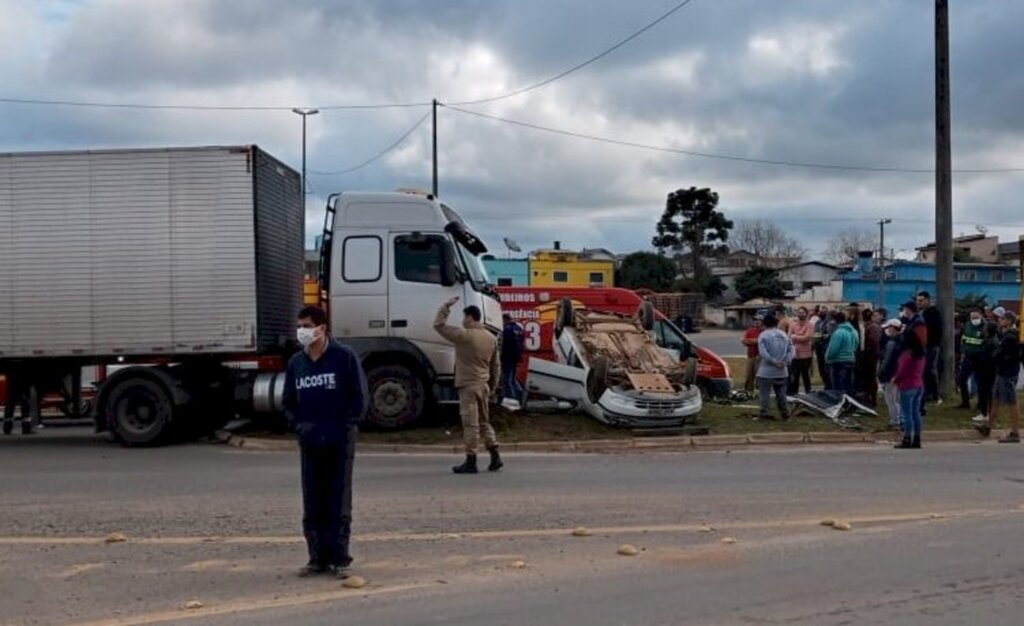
(203,107)
(621,219)
(726,157)
(348,107)
(575,68)
(391,147)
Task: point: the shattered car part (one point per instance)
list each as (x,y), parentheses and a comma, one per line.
(837,406)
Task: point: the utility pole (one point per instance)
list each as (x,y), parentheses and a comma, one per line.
(944,197)
(880,303)
(304,113)
(435,148)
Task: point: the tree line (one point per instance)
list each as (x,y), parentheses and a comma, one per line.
(693,230)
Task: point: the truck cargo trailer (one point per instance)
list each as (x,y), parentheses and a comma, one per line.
(189,259)
(178,274)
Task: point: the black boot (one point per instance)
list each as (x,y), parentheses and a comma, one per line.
(468,467)
(496,463)
(8,426)
(916,442)
(906,444)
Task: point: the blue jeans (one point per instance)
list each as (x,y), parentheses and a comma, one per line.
(842,377)
(765,386)
(910,412)
(510,387)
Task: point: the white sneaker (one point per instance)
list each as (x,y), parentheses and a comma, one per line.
(979,419)
(511,404)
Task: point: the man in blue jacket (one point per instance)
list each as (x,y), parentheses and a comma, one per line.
(324,398)
(776,353)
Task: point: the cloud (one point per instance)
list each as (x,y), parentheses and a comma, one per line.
(802,80)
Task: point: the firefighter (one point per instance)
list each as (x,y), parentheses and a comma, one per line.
(477,372)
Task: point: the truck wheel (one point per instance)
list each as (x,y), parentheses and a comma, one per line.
(139,411)
(398,396)
(564,317)
(646,313)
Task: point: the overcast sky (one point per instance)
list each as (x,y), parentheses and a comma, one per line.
(826,81)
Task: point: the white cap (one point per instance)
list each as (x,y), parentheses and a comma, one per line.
(999,311)
(893,323)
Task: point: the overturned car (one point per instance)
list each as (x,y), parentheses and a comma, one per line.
(612,368)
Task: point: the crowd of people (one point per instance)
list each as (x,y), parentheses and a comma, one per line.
(862,352)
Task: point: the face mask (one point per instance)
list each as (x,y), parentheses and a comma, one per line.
(976,321)
(306,336)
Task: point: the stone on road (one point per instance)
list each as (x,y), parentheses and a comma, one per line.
(936,542)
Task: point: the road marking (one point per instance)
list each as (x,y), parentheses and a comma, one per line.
(81,568)
(932,515)
(249,605)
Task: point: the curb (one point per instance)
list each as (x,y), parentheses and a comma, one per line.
(660,444)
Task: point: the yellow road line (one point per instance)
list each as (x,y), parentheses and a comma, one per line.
(517,533)
(249,604)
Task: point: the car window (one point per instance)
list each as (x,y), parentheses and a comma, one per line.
(668,336)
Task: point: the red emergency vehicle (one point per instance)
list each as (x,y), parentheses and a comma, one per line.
(535,309)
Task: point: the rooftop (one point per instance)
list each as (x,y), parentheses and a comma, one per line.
(963,239)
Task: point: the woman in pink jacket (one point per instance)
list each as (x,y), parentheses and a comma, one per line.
(909,379)
(801,333)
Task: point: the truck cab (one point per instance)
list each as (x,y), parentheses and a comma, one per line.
(388,262)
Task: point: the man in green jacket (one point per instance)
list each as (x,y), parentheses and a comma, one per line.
(841,355)
(972,349)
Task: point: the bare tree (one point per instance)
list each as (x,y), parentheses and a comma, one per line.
(843,247)
(766,240)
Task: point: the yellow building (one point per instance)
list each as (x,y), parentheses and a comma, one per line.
(567,268)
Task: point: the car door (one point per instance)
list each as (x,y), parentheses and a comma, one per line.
(556,380)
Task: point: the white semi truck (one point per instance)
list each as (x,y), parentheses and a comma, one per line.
(177,273)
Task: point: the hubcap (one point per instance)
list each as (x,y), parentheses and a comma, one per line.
(390,398)
(138,412)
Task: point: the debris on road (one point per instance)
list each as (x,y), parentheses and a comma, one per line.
(518,565)
(116,538)
(838,407)
(842,526)
(729,540)
(192,605)
(628,550)
(582,531)
(830,522)
(354,582)
(707,529)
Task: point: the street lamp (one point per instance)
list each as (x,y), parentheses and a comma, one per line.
(881,261)
(304,113)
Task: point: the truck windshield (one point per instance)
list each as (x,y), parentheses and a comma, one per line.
(475,269)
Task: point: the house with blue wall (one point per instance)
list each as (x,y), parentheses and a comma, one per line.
(508,272)
(904,279)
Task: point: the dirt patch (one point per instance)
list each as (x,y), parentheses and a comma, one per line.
(709,556)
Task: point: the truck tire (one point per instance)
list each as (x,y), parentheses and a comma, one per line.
(139,411)
(398,396)
(564,316)
(646,314)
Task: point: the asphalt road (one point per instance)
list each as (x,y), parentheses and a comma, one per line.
(935,537)
(721,342)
